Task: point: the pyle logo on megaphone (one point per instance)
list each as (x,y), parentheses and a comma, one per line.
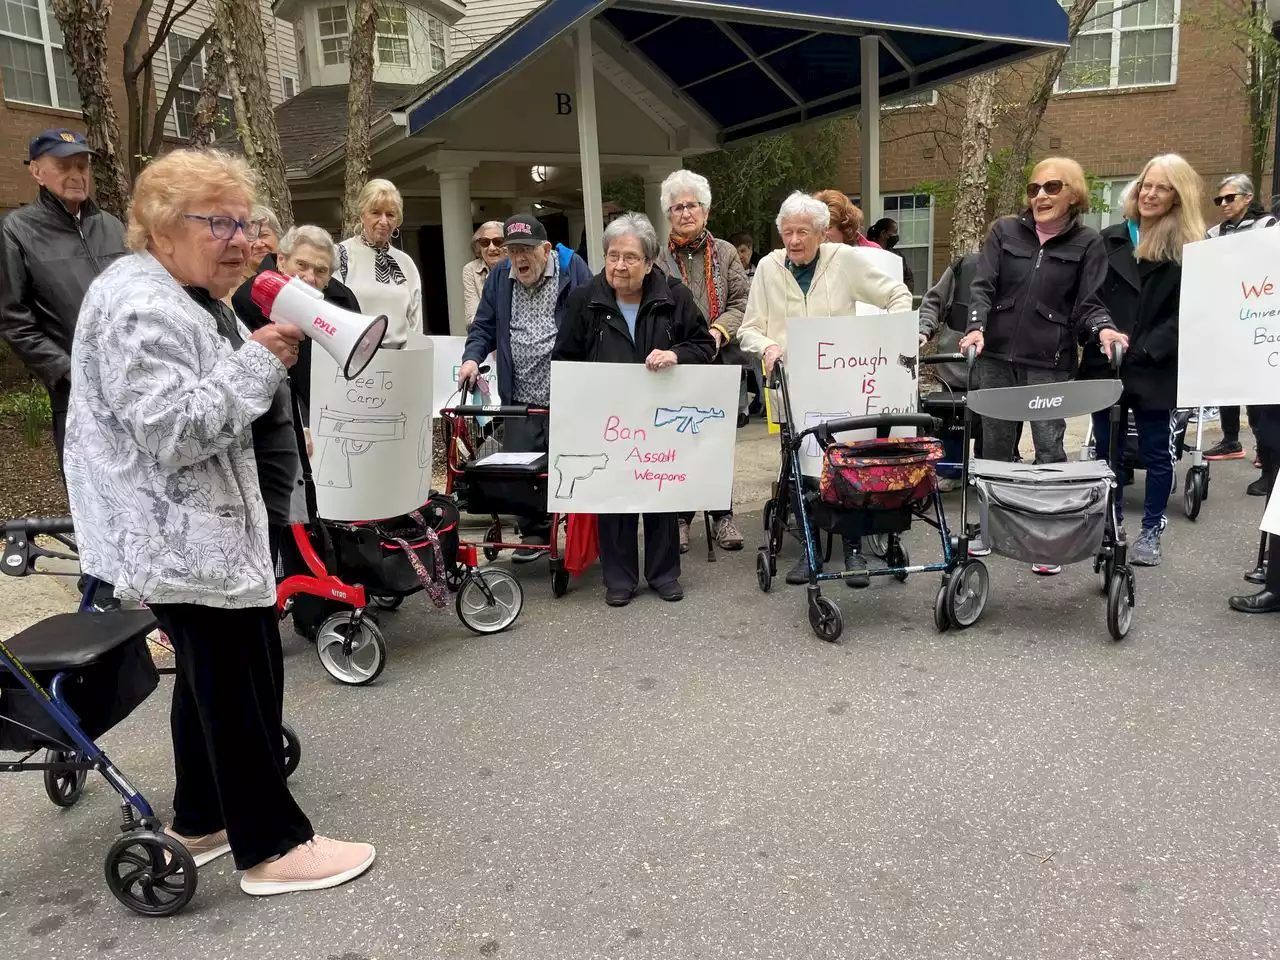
(1045,403)
(350,338)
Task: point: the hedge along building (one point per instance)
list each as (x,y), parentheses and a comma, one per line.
(581,91)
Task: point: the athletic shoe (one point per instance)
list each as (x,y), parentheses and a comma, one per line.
(203,849)
(799,573)
(727,534)
(978,547)
(618,598)
(1258,488)
(318,864)
(529,552)
(1046,569)
(856,564)
(1210,415)
(671,591)
(948,484)
(1225,450)
(683,529)
(1146,552)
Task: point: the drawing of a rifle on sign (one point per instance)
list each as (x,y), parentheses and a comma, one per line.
(345,435)
(688,417)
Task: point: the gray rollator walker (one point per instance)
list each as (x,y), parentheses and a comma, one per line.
(1058,513)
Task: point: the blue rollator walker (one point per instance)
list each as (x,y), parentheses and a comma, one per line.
(68,680)
(887,507)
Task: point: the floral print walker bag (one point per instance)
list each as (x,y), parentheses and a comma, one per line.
(881,474)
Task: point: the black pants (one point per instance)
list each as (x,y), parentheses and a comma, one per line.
(60,437)
(526,435)
(225,721)
(620,549)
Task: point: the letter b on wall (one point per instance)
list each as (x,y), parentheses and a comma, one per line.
(564,104)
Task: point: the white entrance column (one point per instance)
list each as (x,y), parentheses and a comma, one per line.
(455,222)
(653,201)
(577,223)
(869,122)
(588,144)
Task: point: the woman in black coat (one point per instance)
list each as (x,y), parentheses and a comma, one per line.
(1141,292)
(632,313)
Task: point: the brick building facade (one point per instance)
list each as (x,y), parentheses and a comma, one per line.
(1188,101)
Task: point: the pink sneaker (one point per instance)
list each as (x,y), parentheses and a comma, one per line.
(316,865)
(203,849)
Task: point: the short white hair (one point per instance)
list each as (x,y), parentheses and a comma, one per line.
(633,225)
(684,182)
(312,236)
(800,204)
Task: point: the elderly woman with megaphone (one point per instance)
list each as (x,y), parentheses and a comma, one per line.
(165,496)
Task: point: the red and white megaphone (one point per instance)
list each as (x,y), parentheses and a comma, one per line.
(350,338)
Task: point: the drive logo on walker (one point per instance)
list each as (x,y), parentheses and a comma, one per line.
(1045,403)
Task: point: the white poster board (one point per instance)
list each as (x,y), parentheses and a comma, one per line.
(885,260)
(372,435)
(851,367)
(448,361)
(626,439)
(1229,321)
(1271,517)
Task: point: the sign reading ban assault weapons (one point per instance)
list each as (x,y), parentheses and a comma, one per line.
(626,439)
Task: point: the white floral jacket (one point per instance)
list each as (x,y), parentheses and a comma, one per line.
(159,451)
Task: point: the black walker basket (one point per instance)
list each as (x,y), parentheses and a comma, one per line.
(372,553)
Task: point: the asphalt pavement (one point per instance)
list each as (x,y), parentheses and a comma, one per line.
(708,780)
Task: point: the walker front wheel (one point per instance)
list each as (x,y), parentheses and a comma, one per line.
(292,749)
(825,619)
(64,787)
(1119,606)
(350,652)
(492,535)
(967,594)
(764,574)
(489,601)
(1193,494)
(942,619)
(151,873)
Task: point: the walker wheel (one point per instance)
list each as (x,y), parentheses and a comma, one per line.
(941,619)
(1120,606)
(151,873)
(764,575)
(967,594)
(292,749)
(64,787)
(825,619)
(386,601)
(878,545)
(454,574)
(489,601)
(492,535)
(350,652)
(559,579)
(1104,565)
(1193,494)
(896,556)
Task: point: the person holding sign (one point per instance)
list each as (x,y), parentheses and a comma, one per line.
(631,313)
(1035,296)
(1141,294)
(811,278)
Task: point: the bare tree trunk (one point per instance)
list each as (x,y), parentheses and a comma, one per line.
(208,116)
(239,27)
(1027,126)
(970,214)
(84,31)
(359,107)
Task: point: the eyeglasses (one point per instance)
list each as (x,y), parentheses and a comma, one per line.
(1051,188)
(1225,198)
(224,228)
(483,242)
(630,259)
(678,208)
(1159,189)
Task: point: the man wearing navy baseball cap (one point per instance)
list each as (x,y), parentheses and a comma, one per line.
(50,251)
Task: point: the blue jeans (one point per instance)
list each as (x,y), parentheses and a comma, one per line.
(1155,442)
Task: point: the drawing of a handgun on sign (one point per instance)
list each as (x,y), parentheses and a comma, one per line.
(347,435)
(810,447)
(572,467)
(687,418)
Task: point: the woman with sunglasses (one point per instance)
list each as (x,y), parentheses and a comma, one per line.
(1033,299)
(1141,292)
(486,246)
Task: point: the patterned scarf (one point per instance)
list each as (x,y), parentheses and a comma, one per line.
(706,243)
(385,268)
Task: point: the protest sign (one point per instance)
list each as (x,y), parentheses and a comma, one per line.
(885,260)
(626,439)
(1229,321)
(372,435)
(448,361)
(850,367)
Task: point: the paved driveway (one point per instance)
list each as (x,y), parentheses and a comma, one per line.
(707,779)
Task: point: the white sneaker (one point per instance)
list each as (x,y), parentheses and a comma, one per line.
(318,864)
(979,548)
(1046,569)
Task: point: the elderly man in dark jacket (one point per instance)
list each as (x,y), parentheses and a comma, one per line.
(50,251)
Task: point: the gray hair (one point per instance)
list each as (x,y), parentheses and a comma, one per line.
(686,182)
(487,225)
(633,225)
(311,235)
(268,216)
(800,204)
(1239,182)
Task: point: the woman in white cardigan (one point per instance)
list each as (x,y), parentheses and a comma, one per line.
(384,279)
(809,278)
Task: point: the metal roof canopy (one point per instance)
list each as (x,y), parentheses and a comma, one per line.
(756,67)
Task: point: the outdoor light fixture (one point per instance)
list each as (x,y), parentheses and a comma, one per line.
(538,173)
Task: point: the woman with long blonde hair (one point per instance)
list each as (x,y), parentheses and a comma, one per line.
(1141,292)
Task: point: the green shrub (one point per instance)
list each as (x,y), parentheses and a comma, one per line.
(30,406)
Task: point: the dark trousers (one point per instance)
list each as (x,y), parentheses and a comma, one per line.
(620,549)
(1156,445)
(1000,437)
(715,515)
(60,437)
(225,722)
(1231,423)
(527,435)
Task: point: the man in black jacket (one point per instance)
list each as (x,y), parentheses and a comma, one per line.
(50,251)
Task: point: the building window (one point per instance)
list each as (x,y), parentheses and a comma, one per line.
(290,86)
(184,104)
(300,38)
(435,43)
(334,35)
(1108,203)
(1123,44)
(34,65)
(914,213)
(393,36)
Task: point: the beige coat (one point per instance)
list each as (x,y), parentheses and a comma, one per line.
(474,274)
(844,277)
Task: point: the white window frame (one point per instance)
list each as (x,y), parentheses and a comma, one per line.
(434,45)
(921,283)
(1094,27)
(224,99)
(1108,187)
(48,46)
(379,35)
(300,49)
(287,80)
(341,42)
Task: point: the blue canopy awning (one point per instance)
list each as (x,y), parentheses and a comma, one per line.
(760,66)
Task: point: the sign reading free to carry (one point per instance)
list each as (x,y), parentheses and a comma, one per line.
(1229,321)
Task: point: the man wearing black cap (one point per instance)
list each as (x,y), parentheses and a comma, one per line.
(520,312)
(50,251)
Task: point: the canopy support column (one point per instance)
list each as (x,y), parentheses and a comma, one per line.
(455,222)
(869,128)
(588,144)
